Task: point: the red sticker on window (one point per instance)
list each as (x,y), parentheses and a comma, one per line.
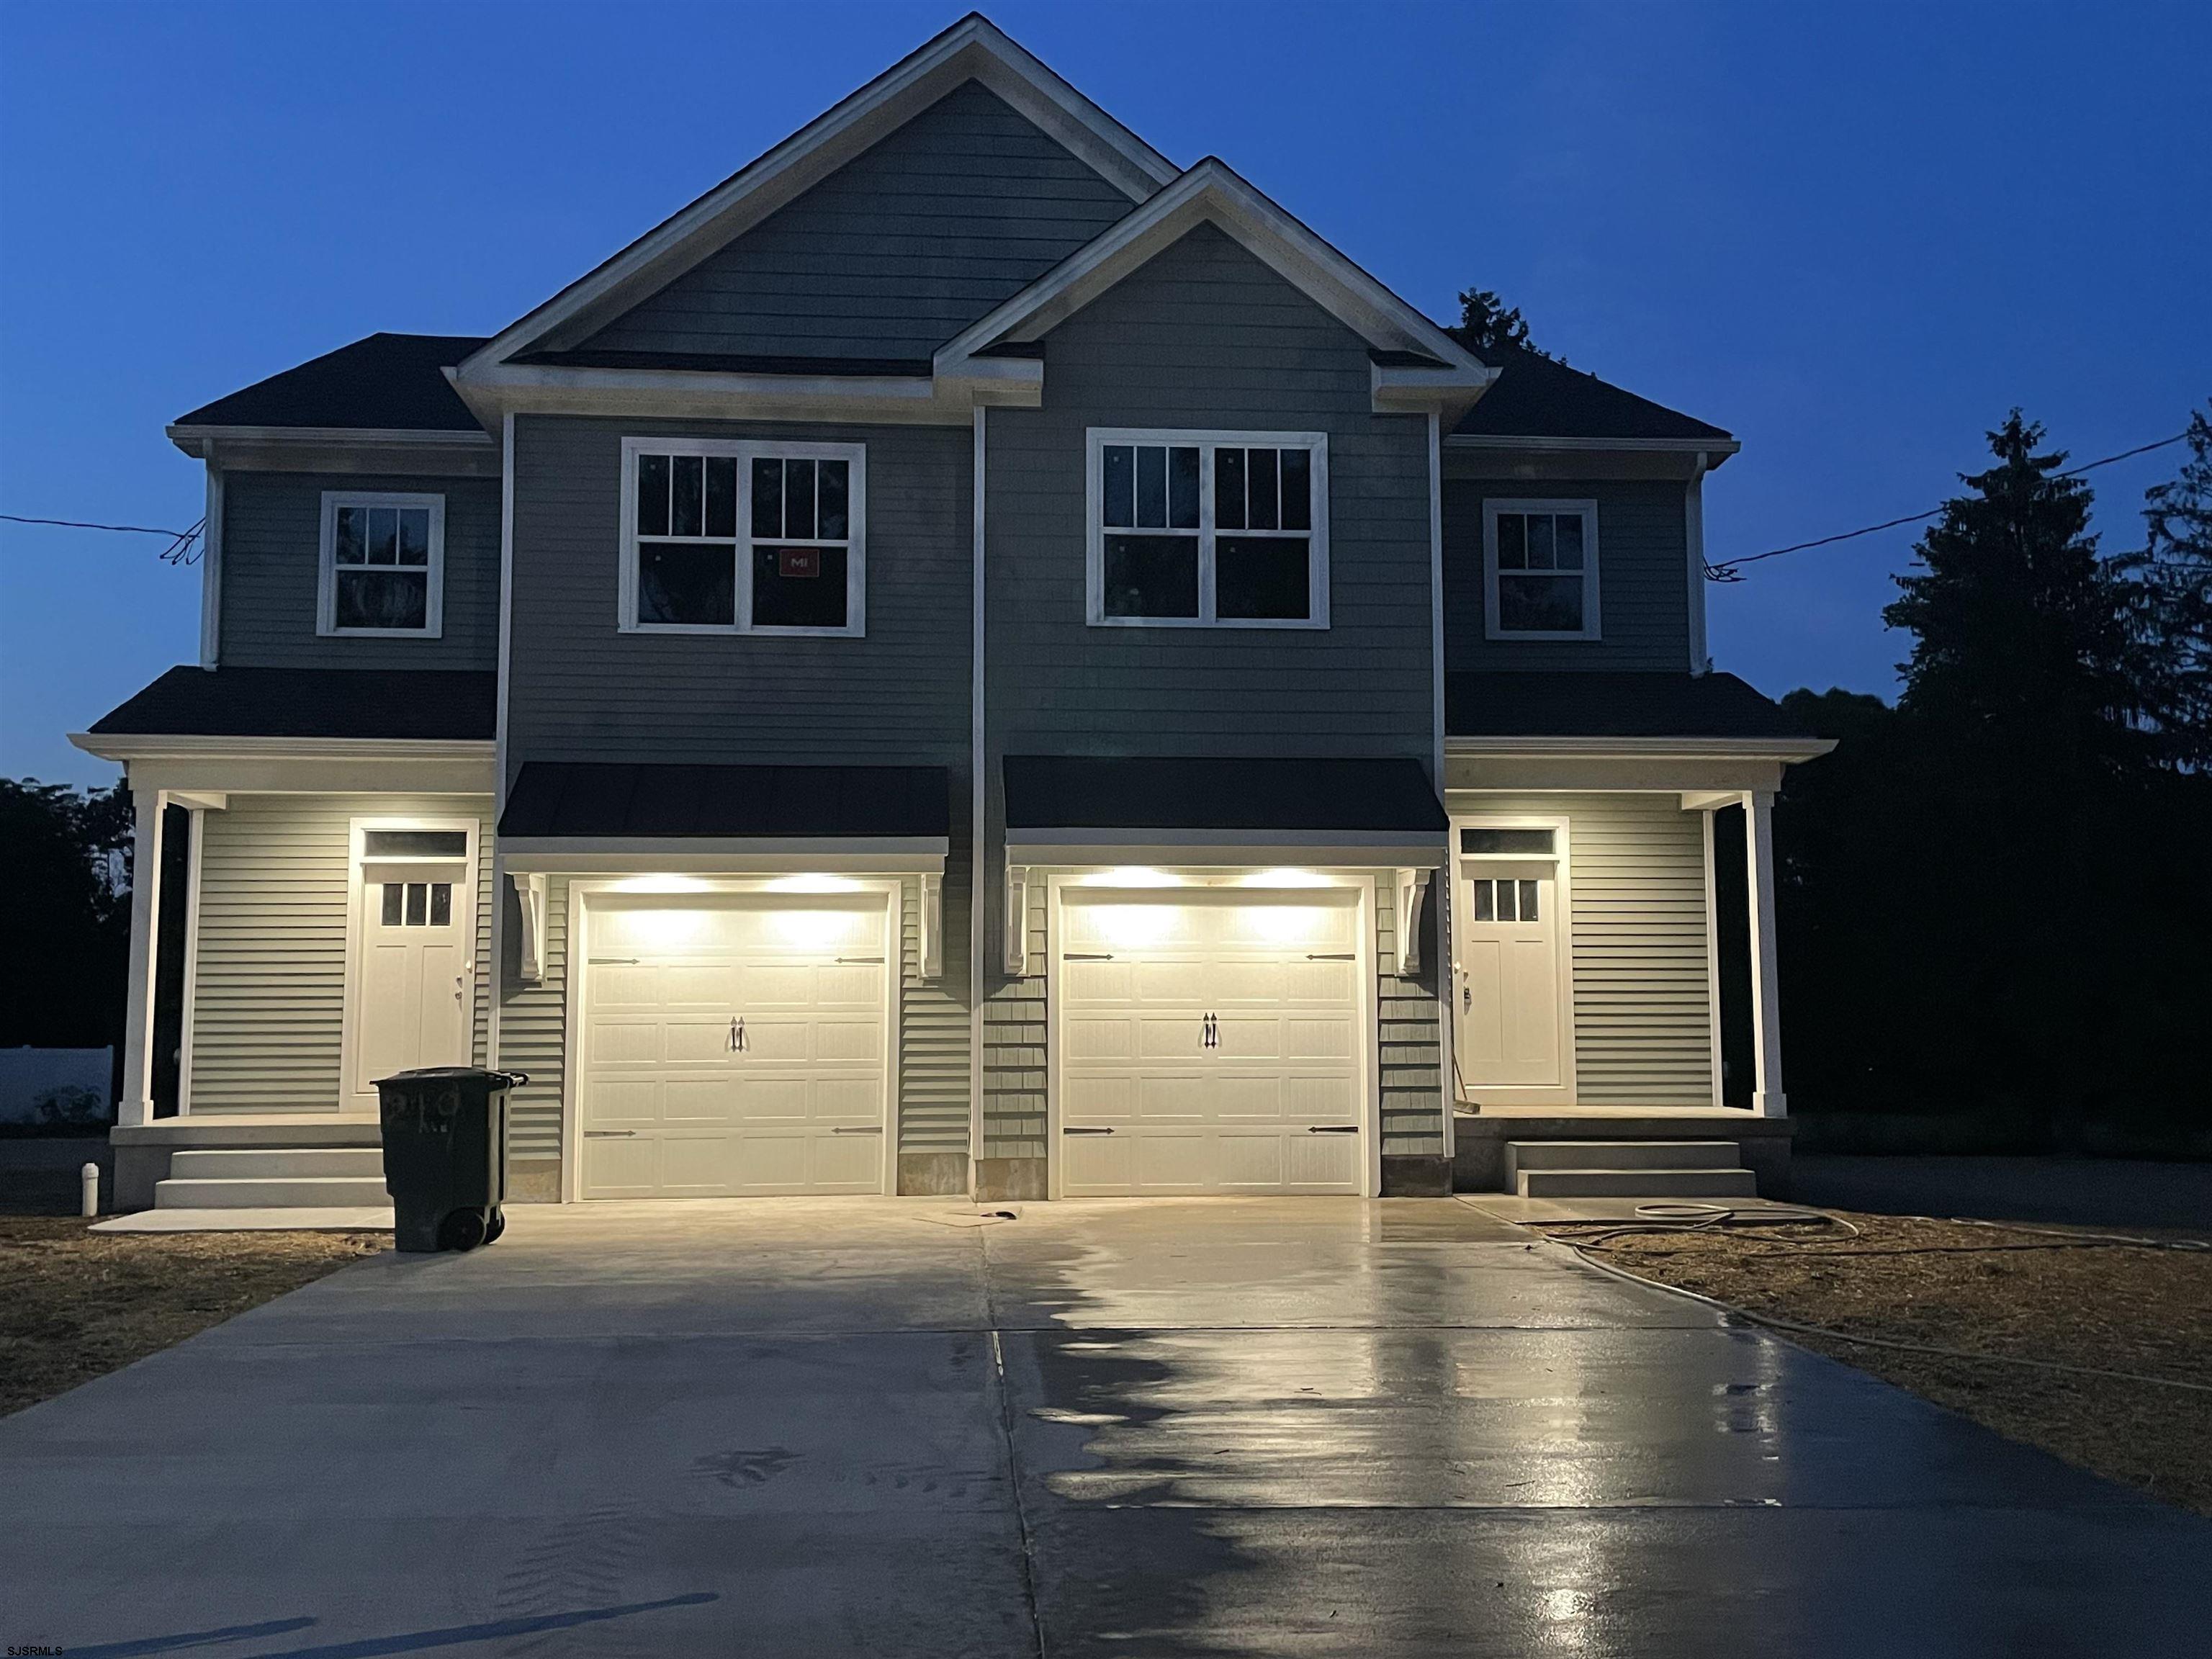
(798,562)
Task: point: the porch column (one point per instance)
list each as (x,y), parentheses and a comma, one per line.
(1767,1098)
(137,1105)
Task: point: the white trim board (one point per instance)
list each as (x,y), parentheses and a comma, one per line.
(972,49)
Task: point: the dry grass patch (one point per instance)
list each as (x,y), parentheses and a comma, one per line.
(81,1304)
(2022,1295)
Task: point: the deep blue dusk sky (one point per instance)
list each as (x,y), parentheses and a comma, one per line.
(1855,235)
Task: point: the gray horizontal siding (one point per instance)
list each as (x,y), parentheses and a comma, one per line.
(271,558)
(270,978)
(1204,336)
(1409,1048)
(1642,997)
(533,1028)
(581,689)
(896,252)
(1643,602)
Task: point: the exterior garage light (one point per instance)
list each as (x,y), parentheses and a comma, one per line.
(1285,877)
(812,884)
(1133,875)
(660,884)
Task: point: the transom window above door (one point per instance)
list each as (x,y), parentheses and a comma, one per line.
(743,537)
(1539,570)
(382,565)
(1207,529)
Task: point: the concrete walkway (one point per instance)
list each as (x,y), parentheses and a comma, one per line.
(1212,1428)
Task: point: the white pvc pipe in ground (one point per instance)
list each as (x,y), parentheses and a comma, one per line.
(91,1179)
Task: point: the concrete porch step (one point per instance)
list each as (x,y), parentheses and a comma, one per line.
(1620,1155)
(1637,1183)
(286,1192)
(277,1163)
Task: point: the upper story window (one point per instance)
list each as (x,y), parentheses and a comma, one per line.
(731,537)
(1539,570)
(383,565)
(1208,529)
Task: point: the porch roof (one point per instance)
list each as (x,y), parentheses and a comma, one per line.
(1181,794)
(418,705)
(567,801)
(1620,704)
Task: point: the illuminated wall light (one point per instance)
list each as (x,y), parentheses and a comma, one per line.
(661,883)
(812,884)
(1283,878)
(1133,875)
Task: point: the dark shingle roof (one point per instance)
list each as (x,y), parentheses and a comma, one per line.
(1536,398)
(621,798)
(422,704)
(1069,792)
(1575,704)
(387,382)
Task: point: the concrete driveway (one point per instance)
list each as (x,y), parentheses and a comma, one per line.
(782,1427)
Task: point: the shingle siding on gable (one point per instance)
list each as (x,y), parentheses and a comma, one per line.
(1205,336)
(1644,578)
(896,252)
(272,527)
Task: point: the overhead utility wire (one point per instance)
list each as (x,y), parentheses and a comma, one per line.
(179,551)
(1726,570)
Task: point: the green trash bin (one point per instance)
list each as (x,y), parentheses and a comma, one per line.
(445,1154)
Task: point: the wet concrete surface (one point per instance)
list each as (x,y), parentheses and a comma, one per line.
(1204,1427)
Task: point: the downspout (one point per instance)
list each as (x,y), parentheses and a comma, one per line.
(495,977)
(1694,526)
(1443,969)
(212,567)
(976,796)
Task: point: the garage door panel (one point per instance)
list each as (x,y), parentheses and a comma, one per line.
(1178,1035)
(1284,991)
(1306,1038)
(1247,1099)
(1322,1163)
(1109,1037)
(1167,1100)
(697,1100)
(1095,1165)
(700,1116)
(1250,1162)
(1085,1098)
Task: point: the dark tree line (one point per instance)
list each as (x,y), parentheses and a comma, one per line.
(65,913)
(1996,895)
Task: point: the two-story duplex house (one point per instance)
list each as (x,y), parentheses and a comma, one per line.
(972,659)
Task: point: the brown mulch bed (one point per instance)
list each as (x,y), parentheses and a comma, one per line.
(1954,1285)
(78,1305)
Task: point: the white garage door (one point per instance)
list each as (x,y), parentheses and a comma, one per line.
(734,1046)
(1209,1042)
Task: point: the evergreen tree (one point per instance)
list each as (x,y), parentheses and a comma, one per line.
(2172,607)
(1490,328)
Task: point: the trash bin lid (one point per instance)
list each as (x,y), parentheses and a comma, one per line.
(455,1074)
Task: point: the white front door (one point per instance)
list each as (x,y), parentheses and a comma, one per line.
(1505,929)
(410,989)
(1209,1042)
(735,1045)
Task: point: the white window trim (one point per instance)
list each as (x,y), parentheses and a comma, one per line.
(745,452)
(326,593)
(1096,439)
(1466,866)
(1588,510)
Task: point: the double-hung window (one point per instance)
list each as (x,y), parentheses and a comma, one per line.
(730,537)
(1539,570)
(383,565)
(1207,529)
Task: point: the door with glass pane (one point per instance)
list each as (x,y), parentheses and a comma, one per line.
(410,989)
(1512,1024)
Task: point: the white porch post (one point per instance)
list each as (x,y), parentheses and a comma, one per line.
(137,1105)
(1767,1098)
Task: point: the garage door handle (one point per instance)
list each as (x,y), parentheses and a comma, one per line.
(607,1134)
(1074,1129)
(1331,1128)
(871,1130)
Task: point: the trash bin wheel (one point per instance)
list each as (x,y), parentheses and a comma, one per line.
(462,1229)
(498,1225)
